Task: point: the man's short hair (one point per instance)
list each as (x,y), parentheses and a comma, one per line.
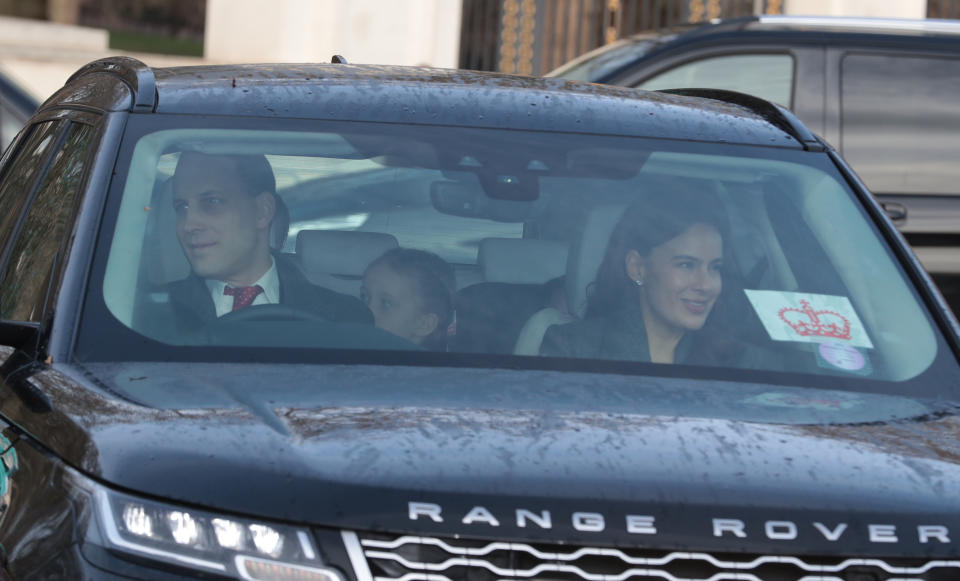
(256,172)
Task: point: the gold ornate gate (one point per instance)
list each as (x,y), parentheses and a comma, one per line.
(943,8)
(535,36)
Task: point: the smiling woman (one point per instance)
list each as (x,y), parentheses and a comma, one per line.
(657,285)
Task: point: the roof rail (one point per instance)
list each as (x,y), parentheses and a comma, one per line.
(770,112)
(136,74)
(715,25)
(933,25)
(731,23)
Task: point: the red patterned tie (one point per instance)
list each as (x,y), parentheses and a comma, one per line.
(242,295)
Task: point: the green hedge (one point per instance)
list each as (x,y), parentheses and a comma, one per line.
(139,42)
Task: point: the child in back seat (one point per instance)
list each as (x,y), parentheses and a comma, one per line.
(411,294)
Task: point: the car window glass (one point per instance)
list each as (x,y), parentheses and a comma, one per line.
(21,171)
(768,76)
(765,281)
(900,121)
(607,59)
(31,262)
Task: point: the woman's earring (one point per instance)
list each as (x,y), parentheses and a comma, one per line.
(639,282)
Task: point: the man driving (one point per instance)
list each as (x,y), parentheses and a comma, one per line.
(225,206)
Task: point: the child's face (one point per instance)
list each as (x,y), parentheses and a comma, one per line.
(394,299)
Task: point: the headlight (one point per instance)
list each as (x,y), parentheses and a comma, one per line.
(243,548)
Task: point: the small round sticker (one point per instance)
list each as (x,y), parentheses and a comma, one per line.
(842,356)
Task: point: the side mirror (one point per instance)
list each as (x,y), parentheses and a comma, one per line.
(16,372)
(19,335)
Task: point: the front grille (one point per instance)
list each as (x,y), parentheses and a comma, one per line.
(412,558)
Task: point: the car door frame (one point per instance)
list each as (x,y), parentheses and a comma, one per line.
(69,295)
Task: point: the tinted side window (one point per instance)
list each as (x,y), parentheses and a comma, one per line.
(768,76)
(23,291)
(901,121)
(21,173)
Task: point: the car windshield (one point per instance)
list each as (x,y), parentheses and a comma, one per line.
(345,242)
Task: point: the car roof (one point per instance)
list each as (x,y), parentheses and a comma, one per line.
(425,96)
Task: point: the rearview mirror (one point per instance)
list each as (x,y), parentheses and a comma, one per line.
(471,200)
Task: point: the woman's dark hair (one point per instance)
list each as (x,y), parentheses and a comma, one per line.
(437,283)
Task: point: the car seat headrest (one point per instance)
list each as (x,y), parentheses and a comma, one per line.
(587,253)
(340,252)
(521,261)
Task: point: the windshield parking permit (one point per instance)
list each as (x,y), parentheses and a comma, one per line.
(809,318)
(834,355)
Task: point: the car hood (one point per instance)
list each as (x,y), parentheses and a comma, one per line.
(465,451)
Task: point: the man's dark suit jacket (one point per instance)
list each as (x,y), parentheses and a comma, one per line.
(193,307)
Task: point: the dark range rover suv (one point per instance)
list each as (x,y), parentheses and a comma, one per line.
(882,91)
(504,328)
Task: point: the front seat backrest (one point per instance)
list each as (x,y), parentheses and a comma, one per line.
(583,263)
(490,313)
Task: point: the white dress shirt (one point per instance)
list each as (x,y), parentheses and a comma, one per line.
(270,283)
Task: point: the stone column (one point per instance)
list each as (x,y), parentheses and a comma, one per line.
(401,32)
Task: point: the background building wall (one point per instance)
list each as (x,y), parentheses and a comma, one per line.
(63,11)
(402,32)
(878,8)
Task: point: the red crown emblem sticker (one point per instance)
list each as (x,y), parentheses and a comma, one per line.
(809,318)
(808,322)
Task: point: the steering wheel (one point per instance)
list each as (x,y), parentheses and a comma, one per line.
(273,312)
(285,326)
